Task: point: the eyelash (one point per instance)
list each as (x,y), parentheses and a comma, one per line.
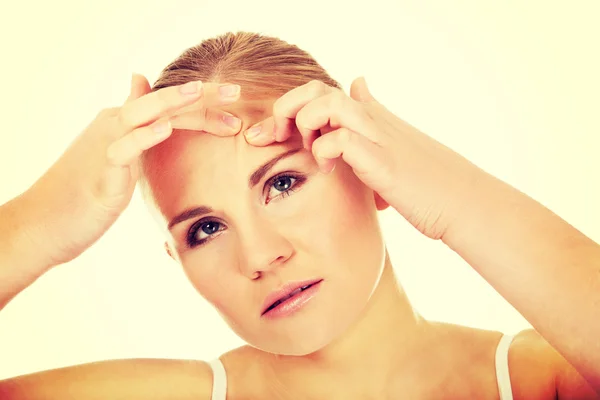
(298,181)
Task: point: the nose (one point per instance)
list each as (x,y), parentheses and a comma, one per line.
(264,247)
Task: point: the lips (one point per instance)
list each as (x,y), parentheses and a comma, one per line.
(288,290)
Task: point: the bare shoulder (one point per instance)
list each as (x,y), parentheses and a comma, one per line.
(538,371)
(132,379)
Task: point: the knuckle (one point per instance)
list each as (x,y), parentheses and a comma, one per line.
(123,119)
(279,106)
(336,105)
(336,99)
(301,113)
(317,87)
(111,157)
(345,135)
(112,154)
(302,119)
(316,83)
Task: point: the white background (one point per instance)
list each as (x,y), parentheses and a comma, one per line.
(511,85)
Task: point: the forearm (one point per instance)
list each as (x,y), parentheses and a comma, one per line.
(21,263)
(547,269)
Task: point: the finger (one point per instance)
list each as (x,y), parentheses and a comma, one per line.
(139,87)
(262,133)
(214,95)
(360,92)
(335,110)
(148,108)
(287,106)
(355,149)
(310,138)
(126,149)
(209,120)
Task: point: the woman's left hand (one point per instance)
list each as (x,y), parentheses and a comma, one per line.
(524,251)
(425,181)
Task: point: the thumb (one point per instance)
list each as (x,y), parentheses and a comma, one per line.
(139,87)
(359,90)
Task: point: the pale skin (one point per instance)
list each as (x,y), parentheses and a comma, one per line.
(369,345)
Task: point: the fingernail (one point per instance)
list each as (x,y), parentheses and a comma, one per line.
(229,90)
(191,88)
(161,127)
(232,121)
(253,132)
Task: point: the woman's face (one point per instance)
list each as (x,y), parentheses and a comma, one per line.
(252,232)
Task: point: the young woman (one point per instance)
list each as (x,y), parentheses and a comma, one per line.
(277,228)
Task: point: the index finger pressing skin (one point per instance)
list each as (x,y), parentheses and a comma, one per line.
(152,106)
(288,105)
(210,120)
(176,100)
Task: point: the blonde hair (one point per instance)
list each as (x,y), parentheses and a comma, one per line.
(263,66)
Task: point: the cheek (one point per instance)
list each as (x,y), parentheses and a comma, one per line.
(215,276)
(211,278)
(336,218)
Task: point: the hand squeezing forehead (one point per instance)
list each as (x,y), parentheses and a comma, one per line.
(93,181)
(422,179)
(148,118)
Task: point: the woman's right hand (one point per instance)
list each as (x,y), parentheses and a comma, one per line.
(83,193)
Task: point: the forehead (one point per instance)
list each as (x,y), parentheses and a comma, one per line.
(250,109)
(192,167)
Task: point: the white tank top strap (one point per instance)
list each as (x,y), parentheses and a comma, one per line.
(502,373)
(219,389)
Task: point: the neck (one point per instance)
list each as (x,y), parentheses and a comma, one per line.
(379,347)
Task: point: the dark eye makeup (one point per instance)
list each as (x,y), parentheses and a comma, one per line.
(285,183)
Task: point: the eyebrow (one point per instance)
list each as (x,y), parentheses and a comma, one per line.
(253,180)
(264,169)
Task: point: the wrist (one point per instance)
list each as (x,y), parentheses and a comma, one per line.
(478,193)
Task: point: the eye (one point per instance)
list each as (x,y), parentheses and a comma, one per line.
(282,185)
(201,231)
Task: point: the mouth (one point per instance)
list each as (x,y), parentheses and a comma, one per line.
(288,294)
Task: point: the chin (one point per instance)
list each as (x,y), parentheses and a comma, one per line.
(327,319)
